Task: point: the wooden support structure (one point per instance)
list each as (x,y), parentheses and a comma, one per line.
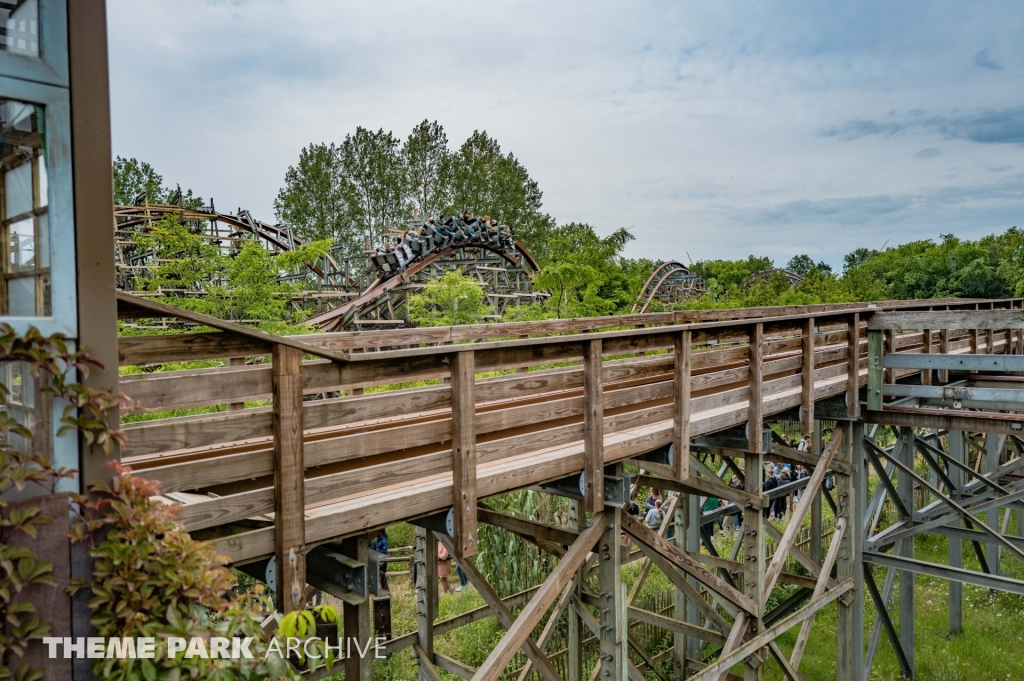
(358,618)
(755,397)
(593,427)
(702,381)
(681,405)
(464,453)
(289,479)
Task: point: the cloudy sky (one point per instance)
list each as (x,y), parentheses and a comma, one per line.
(712,130)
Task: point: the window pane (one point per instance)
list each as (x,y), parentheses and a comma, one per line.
(21,295)
(24,223)
(19,27)
(23,247)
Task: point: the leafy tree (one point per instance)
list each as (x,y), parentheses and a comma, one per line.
(374,181)
(428,169)
(583,272)
(452,299)
(313,201)
(721,276)
(858,257)
(132,176)
(485,182)
(803,265)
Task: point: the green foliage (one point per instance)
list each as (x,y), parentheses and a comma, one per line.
(452,299)
(132,176)
(584,273)
(243,287)
(372,181)
(50,364)
(151,579)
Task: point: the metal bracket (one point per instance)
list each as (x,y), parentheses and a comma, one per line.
(442,522)
(616,489)
(831,409)
(338,575)
(664,455)
(734,439)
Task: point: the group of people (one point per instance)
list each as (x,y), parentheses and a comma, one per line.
(438,234)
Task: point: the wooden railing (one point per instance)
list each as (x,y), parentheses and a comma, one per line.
(328,466)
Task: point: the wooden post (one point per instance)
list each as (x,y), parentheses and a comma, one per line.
(816,528)
(889,347)
(905,488)
(957,450)
(755,422)
(990,339)
(593,426)
(849,663)
(289,480)
(926,375)
(754,563)
(576,634)
(974,341)
(993,446)
(464,453)
(856,534)
(357,619)
(609,577)
(853,361)
(522,370)
(807,385)
(679,601)
(426,596)
(681,406)
(236,362)
(944,350)
(875,370)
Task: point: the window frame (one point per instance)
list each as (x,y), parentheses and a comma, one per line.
(63,284)
(51,66)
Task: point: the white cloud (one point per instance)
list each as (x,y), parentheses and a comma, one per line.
(694,124)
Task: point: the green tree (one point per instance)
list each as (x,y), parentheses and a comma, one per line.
(374,181)
(428,169)
(804,265)
(447,301)
(313,201)
(131,177)
(584,274)
(486,182)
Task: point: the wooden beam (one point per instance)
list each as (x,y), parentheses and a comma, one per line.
(464,454)
(289,480)
(681,406)
(593,427)
(807,376)
(876,371)
(830,558)
(674,625)
(453,666)
(519,630)
(526,527)
(703,487)
(426,664)
(357,619)
(648,539)
(948,319)
(549,626)
(725,662)
(853,367)
(755,406)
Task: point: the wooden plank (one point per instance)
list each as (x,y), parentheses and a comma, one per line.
(453,666)
(700,486)
(681,405)
(464,454)
(593,428)
(755,405)
(549,627)
(943,319)
(187,347)
(289,480)
(853,367)
(426,666)
(807,373)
